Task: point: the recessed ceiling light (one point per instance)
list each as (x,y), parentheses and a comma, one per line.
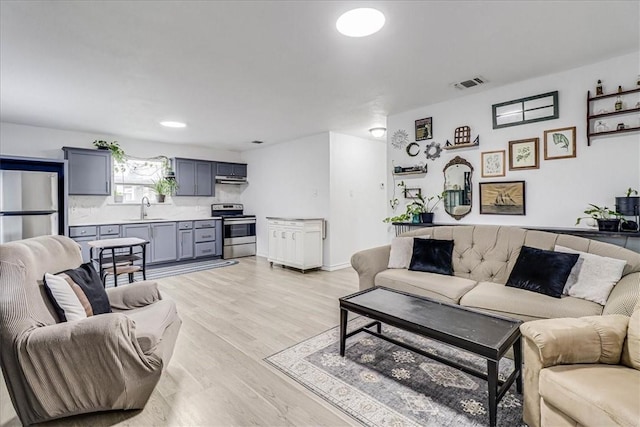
(378,132)
(360,22)
(171,124)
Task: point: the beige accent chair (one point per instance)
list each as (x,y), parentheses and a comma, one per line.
(582,372)
(105,362)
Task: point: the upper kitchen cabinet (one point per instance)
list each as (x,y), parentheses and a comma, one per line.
(89,171)
(195,177)
(231,169)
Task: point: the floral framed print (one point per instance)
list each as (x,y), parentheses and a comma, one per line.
(523,154)
(493,163)
(560,143)
(502,198)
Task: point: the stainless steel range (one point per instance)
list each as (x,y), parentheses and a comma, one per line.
(238,230)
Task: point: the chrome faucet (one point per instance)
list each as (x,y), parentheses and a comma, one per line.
(142,212)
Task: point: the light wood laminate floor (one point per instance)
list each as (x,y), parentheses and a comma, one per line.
(233,317)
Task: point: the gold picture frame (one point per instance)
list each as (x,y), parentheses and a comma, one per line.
(493,164)
(502,198)
(524,154)
(560,143)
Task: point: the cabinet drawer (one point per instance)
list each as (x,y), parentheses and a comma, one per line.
(185,225)
(108,230)
(205,235)
(90,230)
(205,249)
(204,224)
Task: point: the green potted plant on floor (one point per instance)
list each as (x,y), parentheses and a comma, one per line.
(164,187)
(607,219)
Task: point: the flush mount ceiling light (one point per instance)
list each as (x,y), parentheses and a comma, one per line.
(360,22)
(377,132)
(171,124)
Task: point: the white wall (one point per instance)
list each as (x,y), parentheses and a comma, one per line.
(290,180)
(32,141)
(357,196)
(557,192)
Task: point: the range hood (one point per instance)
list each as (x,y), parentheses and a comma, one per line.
(231,180)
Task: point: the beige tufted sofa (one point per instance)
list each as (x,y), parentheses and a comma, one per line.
(483,257)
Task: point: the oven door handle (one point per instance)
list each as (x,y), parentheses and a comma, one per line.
(238,221)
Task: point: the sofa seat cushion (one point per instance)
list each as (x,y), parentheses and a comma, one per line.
(151,322)
(593,394)
(525,305)
(432,285)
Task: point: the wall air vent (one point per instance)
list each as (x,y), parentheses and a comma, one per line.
(467,84)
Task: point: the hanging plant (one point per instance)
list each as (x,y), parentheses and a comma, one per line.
(116,151)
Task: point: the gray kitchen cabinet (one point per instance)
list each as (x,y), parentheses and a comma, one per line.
(185,240)
(231,169)
(163,242)
(205,238)
(141,231)
(82,235)
(194,177)
(89,171)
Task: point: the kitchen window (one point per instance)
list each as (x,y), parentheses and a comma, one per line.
(134,178)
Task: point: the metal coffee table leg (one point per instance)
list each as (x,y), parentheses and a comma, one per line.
(517,360)
(343,329)
(492,379)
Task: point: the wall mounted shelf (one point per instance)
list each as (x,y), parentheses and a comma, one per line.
(457,146)
(592,117)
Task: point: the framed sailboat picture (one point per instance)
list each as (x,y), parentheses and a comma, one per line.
(502,198)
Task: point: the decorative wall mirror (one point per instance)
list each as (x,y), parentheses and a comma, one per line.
(457,187)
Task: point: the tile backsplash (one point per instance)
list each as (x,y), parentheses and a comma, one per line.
(97,209)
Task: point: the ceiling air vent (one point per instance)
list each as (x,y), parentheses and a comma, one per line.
(257,142)
(467,84)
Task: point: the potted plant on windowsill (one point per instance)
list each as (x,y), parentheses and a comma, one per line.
(164,187)
(607,219)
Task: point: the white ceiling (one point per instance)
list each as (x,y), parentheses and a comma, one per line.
(242,70)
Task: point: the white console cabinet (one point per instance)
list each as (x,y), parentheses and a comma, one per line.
(296,243)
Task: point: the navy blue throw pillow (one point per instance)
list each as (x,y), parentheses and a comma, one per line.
(89,281)
(544,272)
(432,256)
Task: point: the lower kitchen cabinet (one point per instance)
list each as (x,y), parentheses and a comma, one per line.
(161,237)
(185,240)
(295,243)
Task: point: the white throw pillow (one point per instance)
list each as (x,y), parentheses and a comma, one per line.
(593,276)
(65,297)
(402,250)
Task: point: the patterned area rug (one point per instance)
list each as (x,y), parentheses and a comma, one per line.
(174,270)
(381,384)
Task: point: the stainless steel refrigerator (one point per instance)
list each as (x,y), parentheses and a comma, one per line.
(32,198)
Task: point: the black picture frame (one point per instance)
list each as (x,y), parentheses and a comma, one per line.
(424,129)
(503,198)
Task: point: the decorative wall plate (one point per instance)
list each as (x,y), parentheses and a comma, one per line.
(433,150)
(413,149)
(399,139)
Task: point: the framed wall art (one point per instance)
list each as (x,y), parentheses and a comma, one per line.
(523,154)
(560,143)
(424,129)
(493,163)
(502,198)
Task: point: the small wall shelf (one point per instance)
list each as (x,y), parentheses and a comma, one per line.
(456,146)
(591,117)
(419,172)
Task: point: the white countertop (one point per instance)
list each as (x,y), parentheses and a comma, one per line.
(139,221)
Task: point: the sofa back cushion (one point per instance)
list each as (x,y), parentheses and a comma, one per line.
(37,256)
(488,253)
(631,348)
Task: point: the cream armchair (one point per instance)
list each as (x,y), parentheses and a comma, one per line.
(104,362)
(582,372)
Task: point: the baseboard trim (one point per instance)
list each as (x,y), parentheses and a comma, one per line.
(335,267)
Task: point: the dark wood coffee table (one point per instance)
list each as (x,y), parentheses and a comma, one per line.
(486,335)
